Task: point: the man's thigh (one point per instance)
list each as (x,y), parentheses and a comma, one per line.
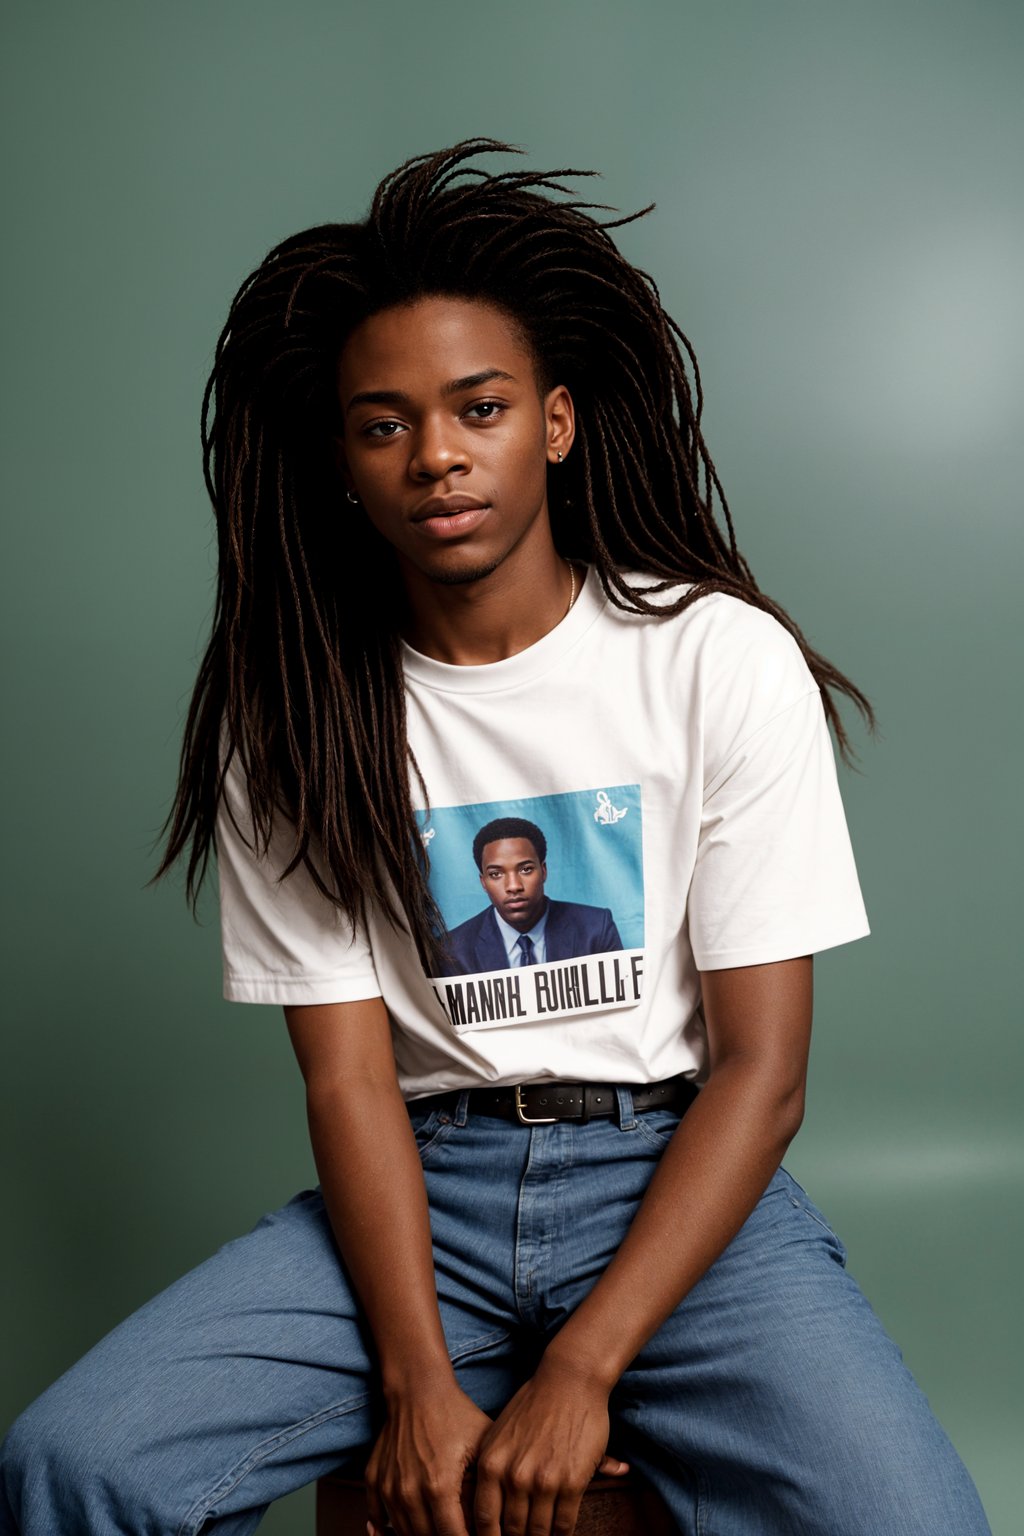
(773,1401)
(246,1378)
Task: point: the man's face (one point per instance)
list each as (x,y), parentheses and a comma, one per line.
(513,877)
(456,413)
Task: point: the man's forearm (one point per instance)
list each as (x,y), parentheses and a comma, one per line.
(372,1184)
(711,1175)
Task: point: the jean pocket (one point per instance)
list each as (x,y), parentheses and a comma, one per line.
(802,1201)
(430,1128)
(657,1126)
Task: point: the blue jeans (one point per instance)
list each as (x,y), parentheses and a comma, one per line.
(771,1403)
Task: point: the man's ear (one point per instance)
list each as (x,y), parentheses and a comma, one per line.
(560,419)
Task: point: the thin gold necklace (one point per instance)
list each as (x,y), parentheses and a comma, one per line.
(572,590)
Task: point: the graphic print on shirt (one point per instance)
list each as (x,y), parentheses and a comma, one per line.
(543,898)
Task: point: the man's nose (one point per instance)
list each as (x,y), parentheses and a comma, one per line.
(439,450)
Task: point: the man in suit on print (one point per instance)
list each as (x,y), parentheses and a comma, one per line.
(522,926)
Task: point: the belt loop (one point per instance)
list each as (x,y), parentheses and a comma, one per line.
(627,1119)
(461,1112)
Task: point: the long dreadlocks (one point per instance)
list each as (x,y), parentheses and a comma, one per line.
(302,676)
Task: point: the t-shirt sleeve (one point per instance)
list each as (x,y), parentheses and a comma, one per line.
(775,875)
(281,942)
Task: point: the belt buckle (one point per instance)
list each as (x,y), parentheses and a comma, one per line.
(527,1119)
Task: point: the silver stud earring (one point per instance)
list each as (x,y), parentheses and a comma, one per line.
(559,455)
(352,497)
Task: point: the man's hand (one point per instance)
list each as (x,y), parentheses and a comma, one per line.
(415,1472)
(537,1458)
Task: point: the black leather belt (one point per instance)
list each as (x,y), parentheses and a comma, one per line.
(544,1103)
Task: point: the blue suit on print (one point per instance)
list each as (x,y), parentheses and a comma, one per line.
(572,929)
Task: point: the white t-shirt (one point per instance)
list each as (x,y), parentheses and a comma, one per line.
(666,799)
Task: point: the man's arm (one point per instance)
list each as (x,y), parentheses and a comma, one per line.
(372,1183)
(537,1458)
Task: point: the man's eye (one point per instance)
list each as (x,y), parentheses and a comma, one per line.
(382,428)
(494,408)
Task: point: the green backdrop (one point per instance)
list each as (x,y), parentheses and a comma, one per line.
(839,229)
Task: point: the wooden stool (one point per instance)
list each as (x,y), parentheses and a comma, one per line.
(612,1506)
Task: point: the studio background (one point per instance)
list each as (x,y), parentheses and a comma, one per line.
(840,231)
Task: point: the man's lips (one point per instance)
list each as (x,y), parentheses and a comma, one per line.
(447,506)
(451,523)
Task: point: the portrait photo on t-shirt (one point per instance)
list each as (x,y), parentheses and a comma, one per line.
(543,899)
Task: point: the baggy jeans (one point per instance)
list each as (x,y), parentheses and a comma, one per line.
(771,1402)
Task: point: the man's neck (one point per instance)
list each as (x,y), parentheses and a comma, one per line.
(540,921)
(477,622)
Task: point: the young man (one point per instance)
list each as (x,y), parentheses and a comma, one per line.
(470,570)
(522,925)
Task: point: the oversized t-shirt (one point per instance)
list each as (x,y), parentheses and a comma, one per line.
(641,797)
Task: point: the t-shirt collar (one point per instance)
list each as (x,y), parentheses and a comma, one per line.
(534,661)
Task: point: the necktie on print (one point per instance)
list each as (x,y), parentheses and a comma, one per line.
(525,946)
